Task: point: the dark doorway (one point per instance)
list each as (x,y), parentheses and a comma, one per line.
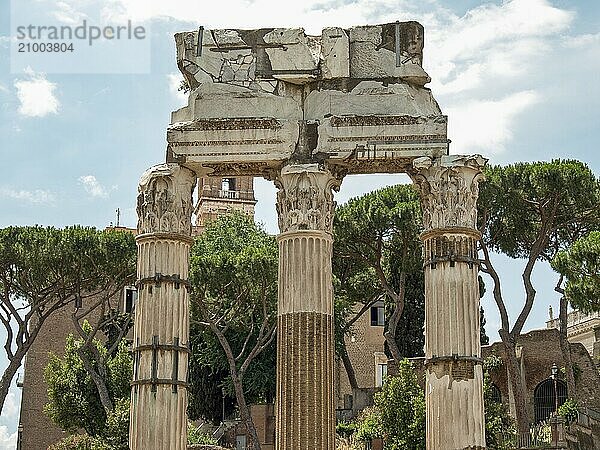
(544,398)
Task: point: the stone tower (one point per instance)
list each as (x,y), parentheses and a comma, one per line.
(217,196)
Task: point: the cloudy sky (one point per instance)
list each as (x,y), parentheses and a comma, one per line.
(519,80)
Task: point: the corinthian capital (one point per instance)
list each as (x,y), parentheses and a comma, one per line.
(305,197)
(164,201)
(449,189)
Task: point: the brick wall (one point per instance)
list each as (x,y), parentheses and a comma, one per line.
(263,417)
(365,346)
(38,430)
(541,349)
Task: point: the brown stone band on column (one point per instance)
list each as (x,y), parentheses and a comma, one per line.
(450,245)
(305,355)
(459,368)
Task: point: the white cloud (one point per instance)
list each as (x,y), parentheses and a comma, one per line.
(10,409)
(491,40)
(66,13)
(37,196)
(581,40)
(175,80)
(93,187)
(3,88)
(256,13)
(485,125)
(7,441)
(36,95)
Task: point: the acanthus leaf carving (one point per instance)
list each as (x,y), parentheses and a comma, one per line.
(305,197)
(164,201)
(449,189)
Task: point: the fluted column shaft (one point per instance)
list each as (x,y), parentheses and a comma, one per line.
(454,376)
(161,330)
(305,338)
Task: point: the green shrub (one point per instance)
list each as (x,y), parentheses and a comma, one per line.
(80,442)
(500,428)
(195,436)
(369,425)
(399,413)
(568,410)
(346,429)
(117,426)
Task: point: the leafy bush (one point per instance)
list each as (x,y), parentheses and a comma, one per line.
(80,442)
(492,363)
(402,405)
(346,429)
(196,436)
(568,410)
(369,425)
(73,398)
(398,414)
(117,426)
(500,429)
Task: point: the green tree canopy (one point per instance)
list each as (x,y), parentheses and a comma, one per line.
(44,269)
(377,255)
(233,271)
(73,398)
(580,265)
(536,209)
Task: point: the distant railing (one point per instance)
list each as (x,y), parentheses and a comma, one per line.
(229,194)
(540,435)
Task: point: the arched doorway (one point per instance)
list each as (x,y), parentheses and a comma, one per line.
(544,397)
(495,393)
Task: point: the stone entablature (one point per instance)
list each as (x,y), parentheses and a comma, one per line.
(354,98)
(577,321)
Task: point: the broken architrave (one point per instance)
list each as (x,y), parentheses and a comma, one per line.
(353,98)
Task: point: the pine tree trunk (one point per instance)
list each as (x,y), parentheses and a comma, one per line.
(565,348)
(349,368)
(516,380)
(34,325)
(245,412)
(98,380)
(8,376)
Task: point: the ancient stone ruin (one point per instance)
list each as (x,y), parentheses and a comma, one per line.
(304,111)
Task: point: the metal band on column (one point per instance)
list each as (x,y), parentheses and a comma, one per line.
(305,344)
(161,330)
(454,376)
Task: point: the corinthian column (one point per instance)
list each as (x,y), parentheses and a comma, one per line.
(160,348)
(305,339)
(454,376)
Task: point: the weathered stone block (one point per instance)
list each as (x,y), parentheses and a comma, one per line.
(243,57)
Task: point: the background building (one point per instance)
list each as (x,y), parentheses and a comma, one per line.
(582,328)
(365,346)
(217,196)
